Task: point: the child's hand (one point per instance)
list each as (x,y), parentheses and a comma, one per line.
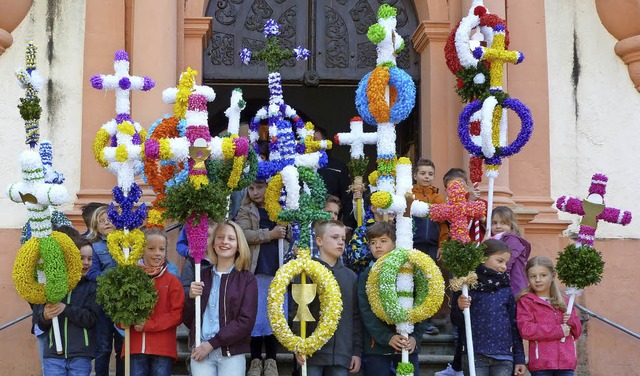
(398,342)
(464,301)
(139,327)
(354,367)
(520,369)
(439,254)
(565,318)
(195,289)
(300,359)
(566,330)
(474,194)
(278,232)
(201,351)
(52,310)
(357,195)
(411,345)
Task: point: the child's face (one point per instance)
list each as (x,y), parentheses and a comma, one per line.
(256,193)
(540,278)
(381,245)
(498,261)
(225,242)
(104,225)
(380,217)
(333,209)
(332,241)
(156,251)
(424,175)
(86,256)
(499,225)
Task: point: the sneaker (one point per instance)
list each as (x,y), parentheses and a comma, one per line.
(270,368)
(449,372)
(256,368)
(431,329)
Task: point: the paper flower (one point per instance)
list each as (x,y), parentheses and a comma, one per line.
(245,56)
(301,53)
(458,211)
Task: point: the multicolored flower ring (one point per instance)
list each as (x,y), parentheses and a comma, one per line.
(492,145)
(330,304)
(133,240)
(60,271)
(385,299)
(371,101)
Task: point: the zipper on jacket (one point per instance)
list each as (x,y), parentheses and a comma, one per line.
(224,300)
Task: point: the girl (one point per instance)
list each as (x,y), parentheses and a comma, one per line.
(153,342)
(542,319)
(496,340)
(229,304)
(505,227)
(106,334)
(262,236)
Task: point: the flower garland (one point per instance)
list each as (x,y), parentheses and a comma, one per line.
(125,216)
(371,99)
(579,266)
(330,304)
(60,263)
(384,298)
(133,240)
(196,228)
(458,211)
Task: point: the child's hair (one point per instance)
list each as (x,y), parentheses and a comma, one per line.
(87,211)
(67,230)
(506,215)
(80,242)
(333,199)
(246,200)
(243,255)
(424,162)
(263,149)
(495,246)
(556,296)
(321,226)
(156,231)
(94,234)
(382,228)
(454,173)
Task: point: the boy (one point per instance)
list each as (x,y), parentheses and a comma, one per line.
(358,256)
(341,354)
(382,343)
(77,314)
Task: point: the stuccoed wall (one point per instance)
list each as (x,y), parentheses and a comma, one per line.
(57,28)
(594,113)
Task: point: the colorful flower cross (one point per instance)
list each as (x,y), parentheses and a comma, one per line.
(498,56)
(458,211)
(593,209)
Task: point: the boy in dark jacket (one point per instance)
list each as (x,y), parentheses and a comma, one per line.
(341,354)
(77,314)
(382,345)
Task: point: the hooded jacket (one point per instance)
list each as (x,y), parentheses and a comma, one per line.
(516,267)
(540,323)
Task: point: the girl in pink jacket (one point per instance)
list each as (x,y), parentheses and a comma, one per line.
(542,319)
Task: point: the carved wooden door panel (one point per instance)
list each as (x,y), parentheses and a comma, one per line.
(334,30)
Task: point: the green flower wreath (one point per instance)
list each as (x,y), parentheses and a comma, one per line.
(579,267)
(127,294)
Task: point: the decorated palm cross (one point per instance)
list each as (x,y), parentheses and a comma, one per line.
(580,265)
(47,266)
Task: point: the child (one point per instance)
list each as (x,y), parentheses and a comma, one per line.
(106,334)
(496,341)
(229,304)
(262,236)
(505,227)
(428,234)
(77,314)
(341,354)
(358,256)
(381,342)
(153,343)
(542,319)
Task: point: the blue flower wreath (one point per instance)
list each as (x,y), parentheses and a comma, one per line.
(405,101)
(523,137)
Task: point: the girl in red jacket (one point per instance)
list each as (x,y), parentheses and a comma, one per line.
(153,342)
(542,319)
(229,305)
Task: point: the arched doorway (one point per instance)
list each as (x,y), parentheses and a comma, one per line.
(323,88)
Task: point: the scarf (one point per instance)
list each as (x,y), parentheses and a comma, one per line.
(490,280)
(153,271)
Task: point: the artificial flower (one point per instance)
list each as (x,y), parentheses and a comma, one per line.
(458,211)
(133,240)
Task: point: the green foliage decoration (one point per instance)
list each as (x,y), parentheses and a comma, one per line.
(184,199)
(579,267)
(462,258)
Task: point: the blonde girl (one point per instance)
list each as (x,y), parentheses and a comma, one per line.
(542,319)
(505,227)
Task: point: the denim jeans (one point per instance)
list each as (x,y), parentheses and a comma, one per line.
(150,365)
(107,338)
(78,366)
(215,364)
(486,366)
(553,372)
(327,371)
(382,365)
(42,344)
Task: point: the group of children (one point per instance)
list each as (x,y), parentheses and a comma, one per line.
(516,298)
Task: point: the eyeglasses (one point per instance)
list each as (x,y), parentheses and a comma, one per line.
(104,222)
